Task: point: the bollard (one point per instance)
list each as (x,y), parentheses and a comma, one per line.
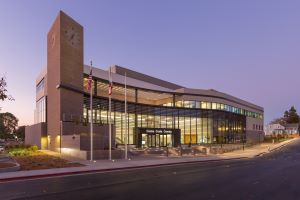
(167,151)
(181,151)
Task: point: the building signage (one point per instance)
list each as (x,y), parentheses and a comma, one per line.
(158,131)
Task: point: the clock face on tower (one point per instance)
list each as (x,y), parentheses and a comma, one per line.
(72,37)
(52,40)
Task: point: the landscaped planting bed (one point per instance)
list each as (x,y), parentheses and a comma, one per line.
(30,158)
(39,160)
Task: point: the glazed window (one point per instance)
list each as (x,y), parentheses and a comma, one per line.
(40,86)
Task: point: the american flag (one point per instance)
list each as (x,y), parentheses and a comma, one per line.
(110,89)
(90,80)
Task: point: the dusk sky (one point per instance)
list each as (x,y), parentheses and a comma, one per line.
(248,49)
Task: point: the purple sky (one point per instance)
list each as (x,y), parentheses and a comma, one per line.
(249,49)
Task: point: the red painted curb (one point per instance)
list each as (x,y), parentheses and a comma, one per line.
(111,170)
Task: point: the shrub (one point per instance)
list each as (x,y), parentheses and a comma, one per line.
(21,150)
(34,148)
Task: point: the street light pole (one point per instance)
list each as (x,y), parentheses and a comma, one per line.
(243,142)
(109,115)
(126,120)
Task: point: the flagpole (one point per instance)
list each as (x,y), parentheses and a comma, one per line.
(109,118)
(126,120)
(91,108)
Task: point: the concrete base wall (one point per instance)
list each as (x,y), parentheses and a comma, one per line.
(254,136)
(70,141)
(75,134)
(97,155)
(104,154)
(75,141)
(36,135)
(76,153)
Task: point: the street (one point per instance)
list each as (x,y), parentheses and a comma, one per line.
(272,176)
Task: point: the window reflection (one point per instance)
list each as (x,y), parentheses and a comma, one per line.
(40,111)
(197,126)
(162,99)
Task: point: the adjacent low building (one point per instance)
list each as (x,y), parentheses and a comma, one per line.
(159,113)
(278,129)
(292,129)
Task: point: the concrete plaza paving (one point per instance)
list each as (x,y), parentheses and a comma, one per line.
(149,161)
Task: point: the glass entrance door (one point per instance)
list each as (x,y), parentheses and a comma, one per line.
(157,140)
(152,140)
(169,140)
(163,140)
(144,140)
(149,140)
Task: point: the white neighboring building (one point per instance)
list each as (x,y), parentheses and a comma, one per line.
(274,129)
(292,128)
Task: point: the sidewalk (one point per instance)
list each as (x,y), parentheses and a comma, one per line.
(257,150)
(107,166)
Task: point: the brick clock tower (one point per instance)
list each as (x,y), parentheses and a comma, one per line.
(64,76)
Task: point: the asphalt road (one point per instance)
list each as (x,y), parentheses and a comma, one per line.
(273,176)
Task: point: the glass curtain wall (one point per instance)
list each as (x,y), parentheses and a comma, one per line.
(197,126)
(100,88)
(200,123)
(40,111)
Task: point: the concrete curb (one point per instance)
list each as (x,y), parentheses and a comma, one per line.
(113,169)
(10,160)
(11,169)
(280,145)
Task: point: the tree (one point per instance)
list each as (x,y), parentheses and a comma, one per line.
(280,121)
(20,133)
(3,90)
(293,117)
(289,117)
(8,125)
(285,117)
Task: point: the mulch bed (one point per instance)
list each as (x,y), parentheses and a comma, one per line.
(6,165)
(39,160)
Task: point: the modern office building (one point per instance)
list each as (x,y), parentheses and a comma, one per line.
(160,113)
